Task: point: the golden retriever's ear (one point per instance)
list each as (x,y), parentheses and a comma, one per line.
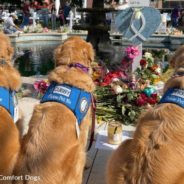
(89,54)
(61,57)
(57,53)
(172,61)
(178,57)
(10,51)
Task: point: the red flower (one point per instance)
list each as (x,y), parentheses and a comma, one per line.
(154,95)
(140,101)
(152,101)
(41,86)
(143,96)
(126,63)
(143,62)
(125,60)
(109,77)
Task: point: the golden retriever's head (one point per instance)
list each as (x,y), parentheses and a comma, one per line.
(177,60)
(9,76)
(74,50)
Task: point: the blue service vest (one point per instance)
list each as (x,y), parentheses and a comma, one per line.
(174,95)
(77,100)
(7,100)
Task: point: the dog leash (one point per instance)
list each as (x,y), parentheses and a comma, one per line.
(93,108)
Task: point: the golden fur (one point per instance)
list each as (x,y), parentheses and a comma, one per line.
(155,155)
(9,136)
(51,149)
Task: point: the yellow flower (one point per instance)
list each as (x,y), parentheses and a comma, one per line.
(96,75)
(156,80)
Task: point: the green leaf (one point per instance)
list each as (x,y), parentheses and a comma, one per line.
(130,97)
(123,109)
(132,115)
(119,99)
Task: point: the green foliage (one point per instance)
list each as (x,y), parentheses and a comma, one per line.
(119,107)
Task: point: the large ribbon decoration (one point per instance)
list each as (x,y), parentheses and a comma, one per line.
(138,24)
(137,15)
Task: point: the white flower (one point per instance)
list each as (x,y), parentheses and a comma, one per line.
(148,55)
(158,70)
(117,89)
(115,80)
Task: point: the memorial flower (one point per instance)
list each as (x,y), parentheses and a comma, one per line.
(33,29)
(148,70)
(41,87)
(148,55)
(112,76)
(122,96)
(143,63)
(131,52)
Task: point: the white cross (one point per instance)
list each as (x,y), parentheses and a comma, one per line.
(34,18)
(70,18)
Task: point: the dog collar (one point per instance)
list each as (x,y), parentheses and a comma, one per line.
(8,101)
(77,100)
(80,66)
(174,95)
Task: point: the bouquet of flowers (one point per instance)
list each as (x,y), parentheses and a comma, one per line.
(149,70)
(121,97)
(33,29)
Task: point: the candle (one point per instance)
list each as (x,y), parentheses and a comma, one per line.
(114,132)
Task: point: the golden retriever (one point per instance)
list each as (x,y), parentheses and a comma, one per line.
(155,155)
(9,81)
(51,152)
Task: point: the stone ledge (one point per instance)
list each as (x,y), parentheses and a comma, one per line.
(30,37)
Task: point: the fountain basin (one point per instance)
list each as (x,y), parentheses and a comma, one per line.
(162,40)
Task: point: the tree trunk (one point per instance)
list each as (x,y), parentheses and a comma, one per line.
(97,18)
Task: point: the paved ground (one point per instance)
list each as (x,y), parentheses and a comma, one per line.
(96,173)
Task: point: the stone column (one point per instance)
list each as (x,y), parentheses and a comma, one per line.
(84,3)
